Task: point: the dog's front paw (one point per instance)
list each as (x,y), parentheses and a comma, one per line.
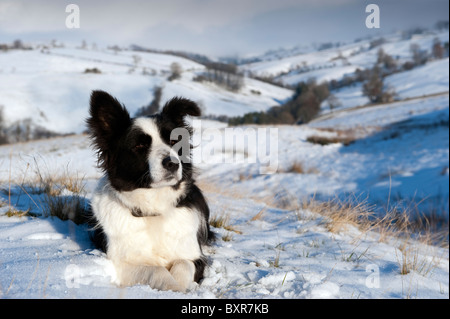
(173,286)
(157,277)
(160,278)
(183,272)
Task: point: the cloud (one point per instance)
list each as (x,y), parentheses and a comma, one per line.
(18,16)
(210,26)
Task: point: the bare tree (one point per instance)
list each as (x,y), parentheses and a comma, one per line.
(438,50)
(18,44)
(386,61)
(154,106)
(176,69)
(333,102)
(3,135)
(419,56)
(375,89)
(136,59)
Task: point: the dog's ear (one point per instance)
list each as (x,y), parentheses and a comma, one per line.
(177,108)
(108,117)
(108,120)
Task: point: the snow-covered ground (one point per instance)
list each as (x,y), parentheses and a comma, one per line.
(268,252)
(280,255)
(401,151)
(273,247)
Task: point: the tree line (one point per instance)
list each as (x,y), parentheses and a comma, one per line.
(308,97)
(302,108)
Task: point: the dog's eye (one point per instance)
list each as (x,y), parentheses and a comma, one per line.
(173,142)
(140,147)
(142,143)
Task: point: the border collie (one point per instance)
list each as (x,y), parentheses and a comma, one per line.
(151,219)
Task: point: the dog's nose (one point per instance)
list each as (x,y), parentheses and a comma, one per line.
(171,164)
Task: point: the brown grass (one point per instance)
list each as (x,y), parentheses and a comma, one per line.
(63,194)
(259,215)
(13,212)
(399,225)
(322,140)
(342,136)
(299,168)
(223,221)
(339,214)
(417,236)
(55,185)
(65,208)
(430,227)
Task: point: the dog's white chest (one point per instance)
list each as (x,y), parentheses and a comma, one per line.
(155,240)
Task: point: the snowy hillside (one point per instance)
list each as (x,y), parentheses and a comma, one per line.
(270,244)
(52,88)
(431,78)
(335,63)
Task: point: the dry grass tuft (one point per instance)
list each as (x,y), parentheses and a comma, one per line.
(299,168)
(322,140)
(345,137)
(223,221)
(340,214)
(60,195)
(259,216)
(13,212)
(429,227)
(72,208)
(227,237)
(54,185)
(413,257)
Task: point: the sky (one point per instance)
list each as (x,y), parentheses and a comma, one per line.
(212,27)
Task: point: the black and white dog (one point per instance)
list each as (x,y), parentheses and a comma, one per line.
(152,220)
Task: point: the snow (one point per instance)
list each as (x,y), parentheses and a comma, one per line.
(48,258)
(282,254)
(274,247)
(434,79)
(321,75)
(431,78)
(33,84)
(335,63)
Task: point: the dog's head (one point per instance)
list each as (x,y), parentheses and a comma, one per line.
(143,152)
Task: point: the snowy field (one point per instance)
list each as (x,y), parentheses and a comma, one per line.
(266,251)
(270,243)
(32,83)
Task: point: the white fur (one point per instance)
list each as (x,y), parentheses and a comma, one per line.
(159,151)
(154,250)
